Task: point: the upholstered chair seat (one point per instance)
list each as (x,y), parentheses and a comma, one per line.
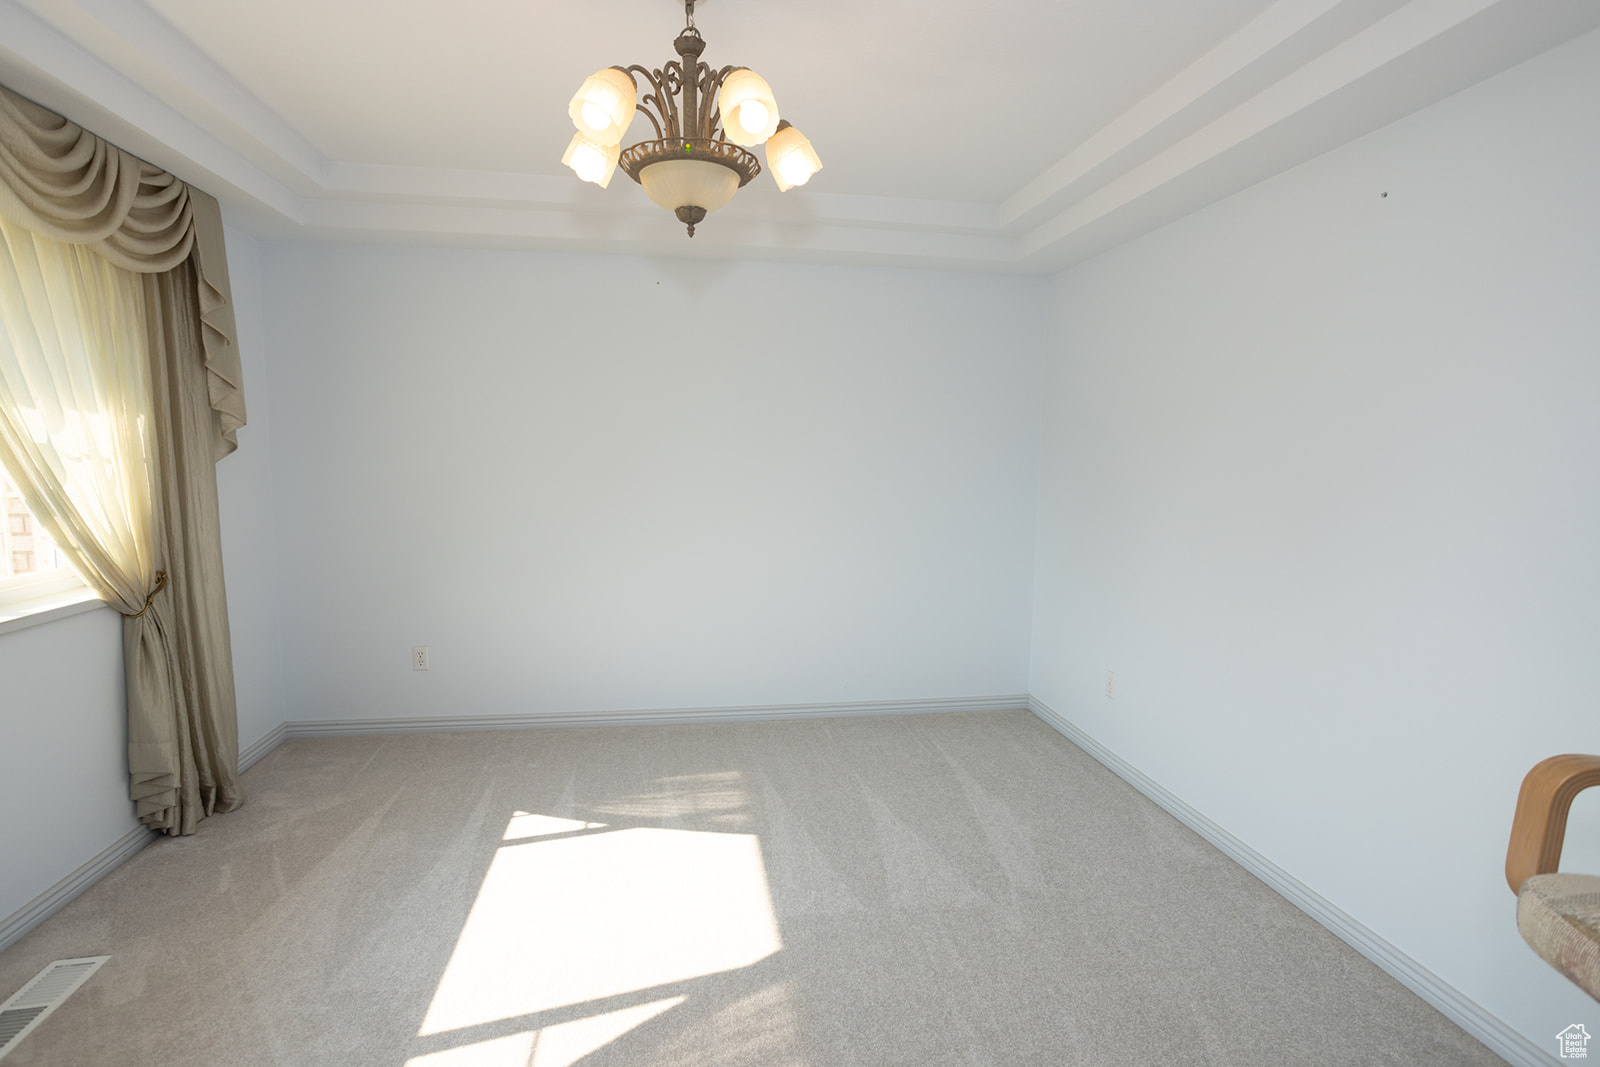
(1559,917)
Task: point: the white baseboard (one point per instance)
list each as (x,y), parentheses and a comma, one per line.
(1505,1042)
(665,716)
(249,757)
(58,896)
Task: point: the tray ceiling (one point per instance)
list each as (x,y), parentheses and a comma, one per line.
(1019,135)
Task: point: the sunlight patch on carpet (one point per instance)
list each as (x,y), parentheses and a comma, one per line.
(574,919)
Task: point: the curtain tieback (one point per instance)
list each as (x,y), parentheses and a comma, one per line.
(161,583)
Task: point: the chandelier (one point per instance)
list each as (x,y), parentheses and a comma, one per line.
(698,159)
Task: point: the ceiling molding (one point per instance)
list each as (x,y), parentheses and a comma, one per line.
(130,37)
(1380,44)
(1297,80)
(1250,45)
(1420,54)
(40,62)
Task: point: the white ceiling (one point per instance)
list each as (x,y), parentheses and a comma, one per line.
(483,84)
(1016,135)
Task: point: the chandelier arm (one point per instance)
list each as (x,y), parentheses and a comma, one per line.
(709,81)
(649,75)
(647,113)
(639,106)
(723,73)
(661,98)
(685,103)
(665,125)
(672,82)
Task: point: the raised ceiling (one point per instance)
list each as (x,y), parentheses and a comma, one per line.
(1016,135)
(483,84)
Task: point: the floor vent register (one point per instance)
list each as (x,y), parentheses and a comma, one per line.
(47,991)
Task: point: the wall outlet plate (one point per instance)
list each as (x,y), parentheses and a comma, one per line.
(419,657)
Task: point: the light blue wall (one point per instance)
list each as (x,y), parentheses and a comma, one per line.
(597,483)
(1318,482)
(245,500)
(63,751)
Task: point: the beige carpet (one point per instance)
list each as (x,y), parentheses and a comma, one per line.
(937,889)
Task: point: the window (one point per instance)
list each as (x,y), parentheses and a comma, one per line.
(34,573)
(29,546)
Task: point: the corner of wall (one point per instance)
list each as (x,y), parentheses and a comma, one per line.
(246,500)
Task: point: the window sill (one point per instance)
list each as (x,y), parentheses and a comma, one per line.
(60,606)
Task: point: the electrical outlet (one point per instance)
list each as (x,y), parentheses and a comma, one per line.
(1111,685)
(419,657)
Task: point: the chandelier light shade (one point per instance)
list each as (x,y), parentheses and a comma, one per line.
(703,118)
(604,106)
(791,158)
(591,160)
(749,113)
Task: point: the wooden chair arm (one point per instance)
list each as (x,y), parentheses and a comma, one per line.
(1540,824)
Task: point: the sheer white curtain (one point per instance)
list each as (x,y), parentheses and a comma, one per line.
(76,426)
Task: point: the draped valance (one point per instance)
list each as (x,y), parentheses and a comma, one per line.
(63,182)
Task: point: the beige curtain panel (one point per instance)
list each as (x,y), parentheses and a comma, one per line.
(120,388)
(190,768)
